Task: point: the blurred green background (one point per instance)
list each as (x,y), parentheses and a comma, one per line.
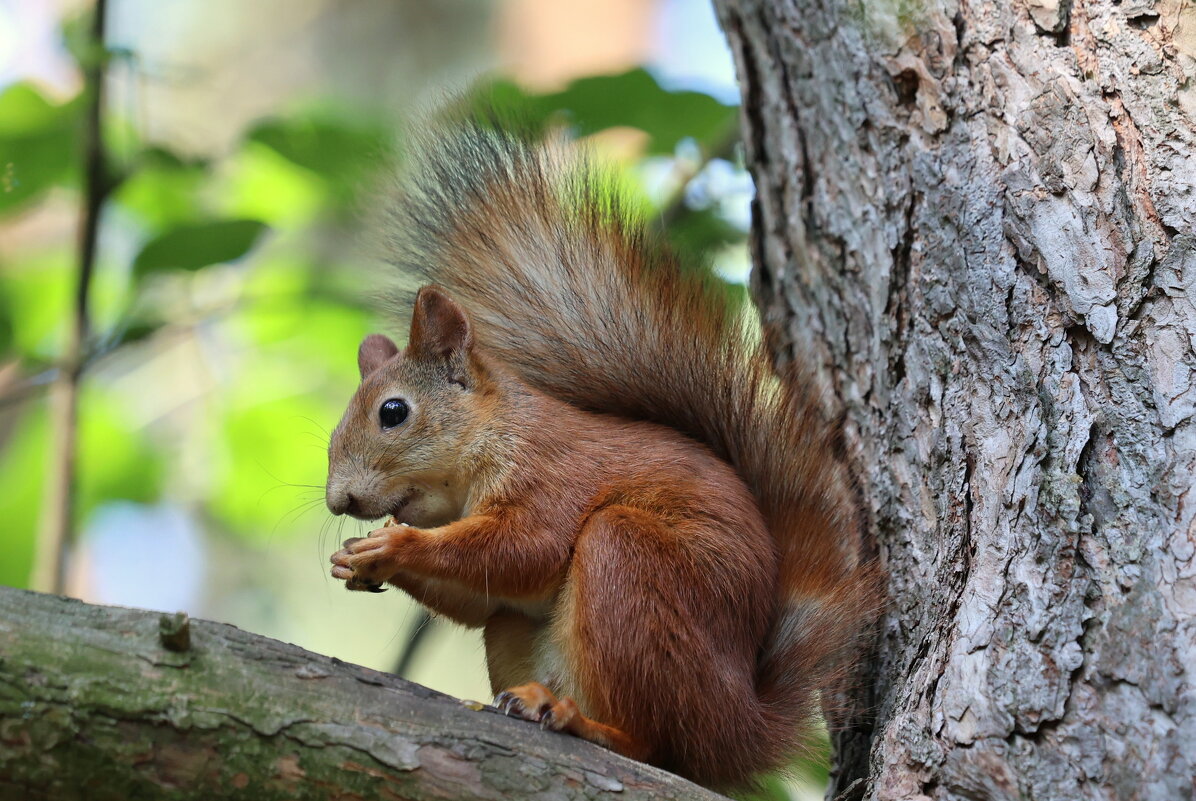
(236,270)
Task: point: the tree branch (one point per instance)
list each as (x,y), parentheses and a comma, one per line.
(110,703)
(58,510)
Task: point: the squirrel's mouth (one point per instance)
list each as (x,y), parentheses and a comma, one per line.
(367,511)
(397,507)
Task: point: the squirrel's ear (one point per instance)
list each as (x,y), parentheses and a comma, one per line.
(375,350)
(439,327)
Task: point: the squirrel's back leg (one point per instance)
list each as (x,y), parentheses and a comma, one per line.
(660,624)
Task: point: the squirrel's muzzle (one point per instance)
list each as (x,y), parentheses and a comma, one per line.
(344,503)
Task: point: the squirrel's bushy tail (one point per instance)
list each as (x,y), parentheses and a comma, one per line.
(564,283)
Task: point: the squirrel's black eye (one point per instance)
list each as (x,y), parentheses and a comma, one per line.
(393,412)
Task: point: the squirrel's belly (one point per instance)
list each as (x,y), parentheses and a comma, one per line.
(552,666)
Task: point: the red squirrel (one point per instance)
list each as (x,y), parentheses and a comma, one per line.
(587,453)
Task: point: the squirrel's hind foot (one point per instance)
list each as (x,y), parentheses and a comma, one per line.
(532,702)
(536,703)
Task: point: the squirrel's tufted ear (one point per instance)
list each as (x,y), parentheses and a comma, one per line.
(375,350)
(439,327)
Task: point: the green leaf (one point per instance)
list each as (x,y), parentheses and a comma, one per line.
(37,300)
(702,231)
(134,330)
(38,145)
(24,110)
(632,99)
(163,191)
(261,184)
(190,247)
(333,148)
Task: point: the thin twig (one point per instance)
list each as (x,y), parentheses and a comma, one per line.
(415,640)
(59,504)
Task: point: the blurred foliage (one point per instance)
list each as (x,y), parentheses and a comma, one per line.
(633,99)
(39,143)
(241,261)
(227,305)
(189,247)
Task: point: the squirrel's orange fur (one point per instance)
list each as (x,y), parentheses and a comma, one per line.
(600,467)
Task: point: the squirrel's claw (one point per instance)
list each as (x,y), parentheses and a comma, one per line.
(363,586)
(536,703)
(504,702)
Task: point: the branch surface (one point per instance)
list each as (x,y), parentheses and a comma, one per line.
(109,703)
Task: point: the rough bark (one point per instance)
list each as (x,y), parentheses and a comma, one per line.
(979,219)
(98,703)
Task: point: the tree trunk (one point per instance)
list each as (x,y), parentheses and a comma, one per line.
(97,703)
(979,219)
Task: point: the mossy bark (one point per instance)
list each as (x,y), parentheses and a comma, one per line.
(104,703)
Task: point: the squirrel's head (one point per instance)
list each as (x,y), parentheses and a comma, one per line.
(404,444)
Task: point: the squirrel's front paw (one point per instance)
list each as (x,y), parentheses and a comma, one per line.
(365,563)
(342,570)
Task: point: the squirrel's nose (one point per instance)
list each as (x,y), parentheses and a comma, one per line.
(341,502)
